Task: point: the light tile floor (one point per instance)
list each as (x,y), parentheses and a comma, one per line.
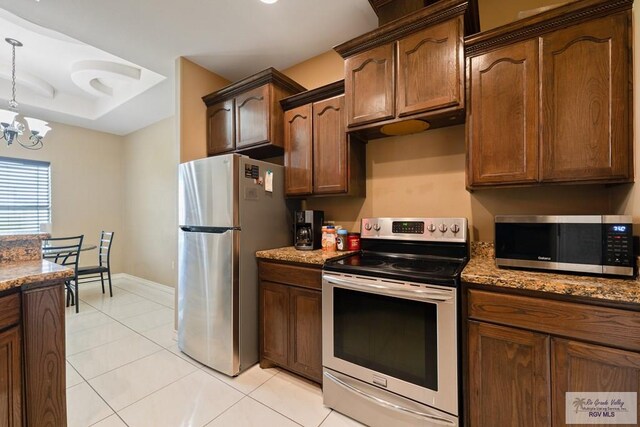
(124,368)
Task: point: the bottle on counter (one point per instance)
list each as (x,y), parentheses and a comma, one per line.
(328,238)
(341,240)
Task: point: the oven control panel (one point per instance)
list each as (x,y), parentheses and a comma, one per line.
(423,229)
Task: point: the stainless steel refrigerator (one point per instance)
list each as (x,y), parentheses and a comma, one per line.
(226,214)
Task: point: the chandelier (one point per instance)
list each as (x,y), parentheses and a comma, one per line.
(10,127)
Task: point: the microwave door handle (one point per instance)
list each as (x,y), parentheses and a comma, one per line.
(433,418)
(423,294)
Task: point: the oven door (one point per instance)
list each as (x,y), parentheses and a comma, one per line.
(399,337)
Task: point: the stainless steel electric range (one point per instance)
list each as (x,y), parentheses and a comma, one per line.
(390,325)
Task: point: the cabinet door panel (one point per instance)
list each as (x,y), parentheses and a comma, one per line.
(252,117)
(585,90)
(10,378)
(298,150)
(220,128)
(430,69)
(369,85)
(306,332)
(508,377)
(581,367)
(274,303)
(330,168)
(503,130)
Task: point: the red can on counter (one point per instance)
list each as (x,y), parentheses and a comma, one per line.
(353,241)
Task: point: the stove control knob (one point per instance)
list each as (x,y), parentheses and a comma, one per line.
(367,226)
(431,228)
(454,228)
(376,227)
(443,228)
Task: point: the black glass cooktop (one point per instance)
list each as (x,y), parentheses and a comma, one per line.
(417,268)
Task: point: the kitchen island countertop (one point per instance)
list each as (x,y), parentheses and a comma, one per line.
(482,270)
(26,273)
(291,254)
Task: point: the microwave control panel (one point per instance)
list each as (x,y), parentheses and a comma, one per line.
(618,245)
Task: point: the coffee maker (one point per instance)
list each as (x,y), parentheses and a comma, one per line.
(308,230)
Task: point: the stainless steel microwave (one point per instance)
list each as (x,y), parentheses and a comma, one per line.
(597,244)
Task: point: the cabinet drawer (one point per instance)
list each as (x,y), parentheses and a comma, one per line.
(9,310)
(615,327)
(306,277)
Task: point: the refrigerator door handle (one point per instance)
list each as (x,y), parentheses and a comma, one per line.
(199,229)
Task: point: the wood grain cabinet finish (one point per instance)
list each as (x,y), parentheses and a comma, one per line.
(503,121)
(221,128)
(525,352)
(370,85)
(298,151)
(585,101)
(409,69)
(582,367)
(551,99)
(509,377)
(330,164)
(11,406)
(320,157)
(291,318)
(246,116)
(430,69)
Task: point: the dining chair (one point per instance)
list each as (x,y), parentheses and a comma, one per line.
(65,251)
(104,263)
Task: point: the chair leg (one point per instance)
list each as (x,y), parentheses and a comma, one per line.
(102,281)
(66,285)
(110,287)
(77,296)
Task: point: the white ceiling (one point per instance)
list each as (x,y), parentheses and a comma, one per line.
(234,38)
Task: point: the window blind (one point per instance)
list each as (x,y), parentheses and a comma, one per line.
(25,195)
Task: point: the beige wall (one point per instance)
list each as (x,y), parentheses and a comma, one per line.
(494,13)
(86,185)
(150,209)
(192,83)
(320,70)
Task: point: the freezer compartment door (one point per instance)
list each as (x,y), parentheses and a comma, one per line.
(208,192)
(208,298)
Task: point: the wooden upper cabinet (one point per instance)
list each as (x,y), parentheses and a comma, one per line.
(508,377)
(221,128)
(411,68)
(585,74)
(430,69)
(298,151)
(503,121)
(550,98)
(246,116)
(582,367)
(370,85)
(252,117)
(330,168)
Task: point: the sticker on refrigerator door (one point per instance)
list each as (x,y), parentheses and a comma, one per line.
(268,181)
(251,171)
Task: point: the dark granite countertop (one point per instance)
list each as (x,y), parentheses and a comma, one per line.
(291,254)
(482,270)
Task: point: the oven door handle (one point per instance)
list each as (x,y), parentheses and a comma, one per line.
(390,289)
(433,418)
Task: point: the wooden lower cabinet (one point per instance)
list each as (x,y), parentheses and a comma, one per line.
(509,381)
(291,318)
(519,370)
(11,377)
(32,356)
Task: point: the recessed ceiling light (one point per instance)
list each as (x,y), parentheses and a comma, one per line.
(269,1)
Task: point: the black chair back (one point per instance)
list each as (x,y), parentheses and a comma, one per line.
(64,251)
